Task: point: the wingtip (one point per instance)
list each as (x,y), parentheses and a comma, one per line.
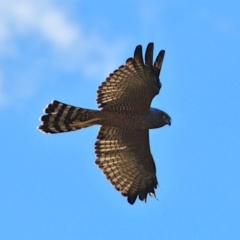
(138,54)
(131,199)
(159,60)
(153,195)
(149,54)
(150,45)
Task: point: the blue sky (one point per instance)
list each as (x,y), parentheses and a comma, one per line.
(50,186)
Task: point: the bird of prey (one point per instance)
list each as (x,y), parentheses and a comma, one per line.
(125,117)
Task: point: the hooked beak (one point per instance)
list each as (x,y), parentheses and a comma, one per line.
(169,122)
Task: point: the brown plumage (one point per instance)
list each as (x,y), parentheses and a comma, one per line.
(122,146)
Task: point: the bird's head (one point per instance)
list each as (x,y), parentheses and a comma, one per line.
(161,118)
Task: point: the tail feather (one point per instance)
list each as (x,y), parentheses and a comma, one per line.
(61,117)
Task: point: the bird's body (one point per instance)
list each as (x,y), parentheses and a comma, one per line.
(122,148)
(148,119)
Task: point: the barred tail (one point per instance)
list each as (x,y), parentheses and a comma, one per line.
(61,117)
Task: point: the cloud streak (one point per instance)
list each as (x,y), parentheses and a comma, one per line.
(62,40)
(28,17)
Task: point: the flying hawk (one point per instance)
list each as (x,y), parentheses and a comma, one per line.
(125,116)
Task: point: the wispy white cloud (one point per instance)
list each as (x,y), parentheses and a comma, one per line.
(41,17)
(67,42)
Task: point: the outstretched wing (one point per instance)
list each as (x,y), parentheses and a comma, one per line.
(133,85)
(125,158)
